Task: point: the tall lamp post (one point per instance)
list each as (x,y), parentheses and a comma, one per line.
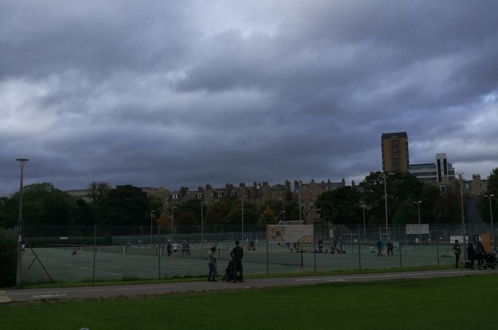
(202,224)
(418,209)
(462,209)
(385,205)
(490,196)
(363,206)
(19,223)
(172,222)
(152,217)
(242,219)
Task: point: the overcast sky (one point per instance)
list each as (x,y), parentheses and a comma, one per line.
(172,93)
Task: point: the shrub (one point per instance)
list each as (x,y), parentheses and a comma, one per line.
(8,253)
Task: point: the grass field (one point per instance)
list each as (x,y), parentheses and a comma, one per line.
(450,303)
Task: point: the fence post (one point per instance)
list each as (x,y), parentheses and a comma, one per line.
(267,253)
(302,261)
(359,249)
(400,256)
(159,252)
(437,251)
(94,249)
(314,254)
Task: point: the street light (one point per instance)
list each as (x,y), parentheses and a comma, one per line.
(19,223)
(152,217)
(460,178)
(172,222)
(385,204)
(418,209)
(242,218)
(363,207)
(320,223)
(491,217)
(202,224)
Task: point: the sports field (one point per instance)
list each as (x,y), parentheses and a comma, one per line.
(449,303)
(142,262)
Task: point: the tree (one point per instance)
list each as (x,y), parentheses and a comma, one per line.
(493,182)
(340,205)
(43,204)
(125,205)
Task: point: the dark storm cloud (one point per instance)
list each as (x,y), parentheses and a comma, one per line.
(167,94)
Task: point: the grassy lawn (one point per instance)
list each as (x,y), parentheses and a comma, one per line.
(450,303)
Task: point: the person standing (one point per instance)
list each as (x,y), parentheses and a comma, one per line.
(457,250)
(237,254)
(168,248)
(212,264)
(478,251)
(390,247)
(471,255)
(380,245)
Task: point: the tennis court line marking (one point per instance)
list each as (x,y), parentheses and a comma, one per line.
(4,299)
(102,271)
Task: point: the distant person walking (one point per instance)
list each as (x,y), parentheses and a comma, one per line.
(380,245)
(478,252)
(212,264)
(168,248)
(237,254)
(390,247)
(471,255)
(457,250)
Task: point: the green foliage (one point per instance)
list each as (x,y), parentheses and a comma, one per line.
(125,205)
(340,205)
(8,253)
(493,182)
(42,204)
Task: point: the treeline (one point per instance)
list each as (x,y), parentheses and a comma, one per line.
(43,204)
(406,197)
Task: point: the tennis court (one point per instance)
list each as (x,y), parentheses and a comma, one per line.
(117,262)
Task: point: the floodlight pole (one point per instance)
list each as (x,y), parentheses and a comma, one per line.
(418,211)
(19,224)
(172,223)
(460,177)
(152,216)
(242,220)
(491,216)
(202,224)
(385,205)
(364,223)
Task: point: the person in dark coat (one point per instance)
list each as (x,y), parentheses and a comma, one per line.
(390,247)
(237,254)
(471,254)
(168,248)
(457,250)
(478,252)
(380,245)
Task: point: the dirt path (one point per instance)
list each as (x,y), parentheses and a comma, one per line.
(28,295)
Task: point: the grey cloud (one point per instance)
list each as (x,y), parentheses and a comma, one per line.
(170,94)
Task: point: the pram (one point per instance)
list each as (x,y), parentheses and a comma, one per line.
(229,275)
(489,260)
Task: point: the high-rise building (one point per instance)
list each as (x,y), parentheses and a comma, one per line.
(395,156)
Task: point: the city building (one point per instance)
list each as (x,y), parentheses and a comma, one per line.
(395,155)
(440,171)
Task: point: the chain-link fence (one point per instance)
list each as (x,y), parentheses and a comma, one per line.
(97,253)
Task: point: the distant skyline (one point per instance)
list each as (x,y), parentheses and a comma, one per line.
(188,93)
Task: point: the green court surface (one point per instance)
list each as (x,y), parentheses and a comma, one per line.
(72,264)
